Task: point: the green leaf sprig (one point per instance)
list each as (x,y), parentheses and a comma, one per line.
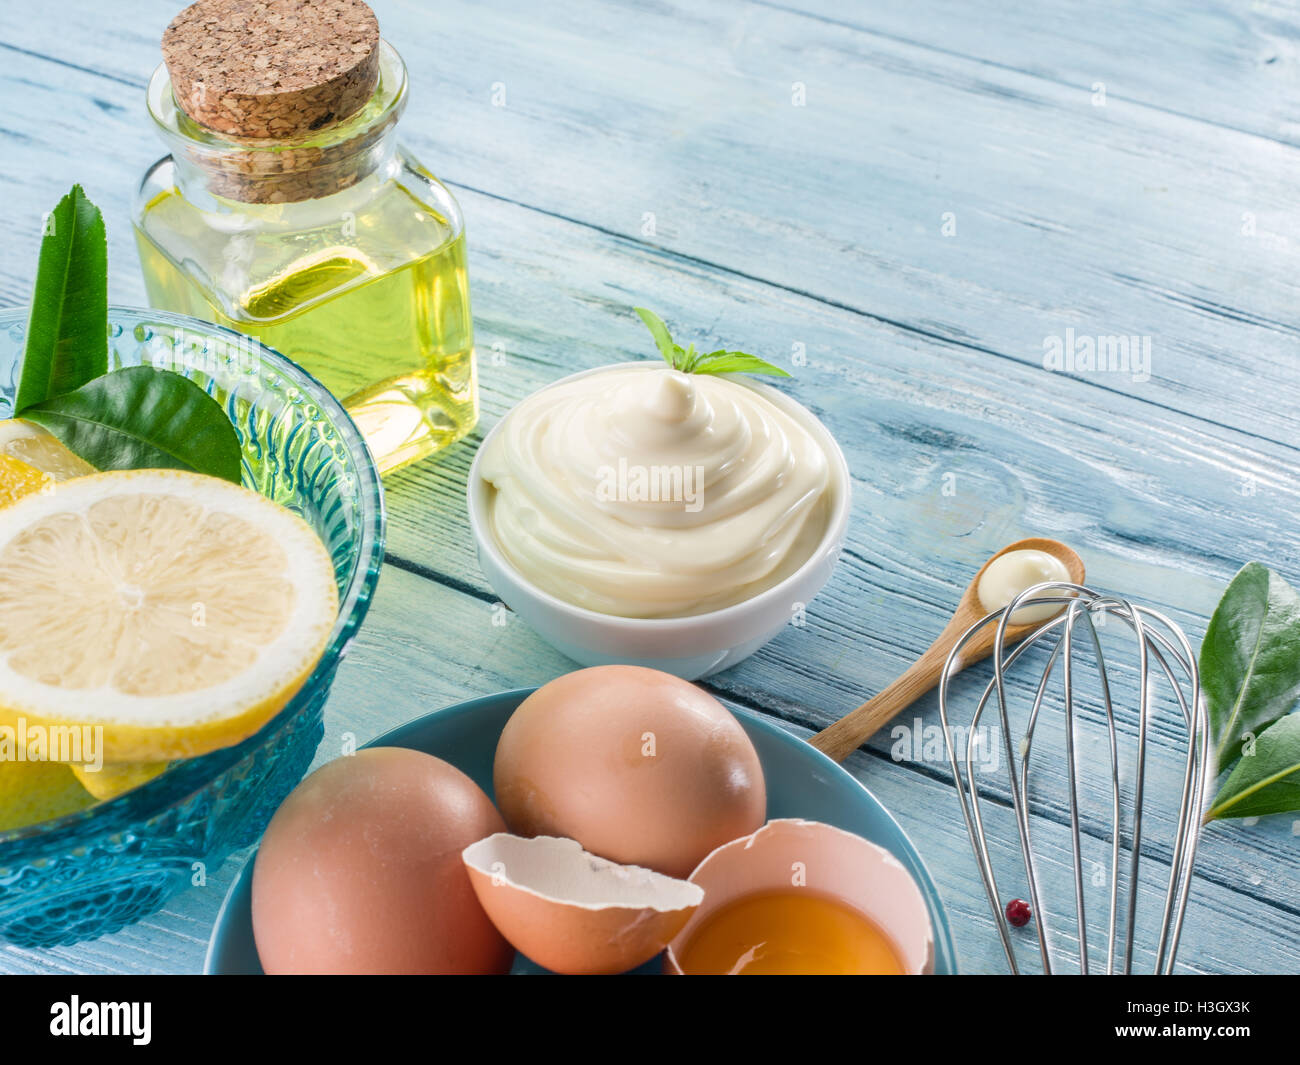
(1268,781)
(1250,674)
(133,418)
(67,329)
(688,360)
(139,418)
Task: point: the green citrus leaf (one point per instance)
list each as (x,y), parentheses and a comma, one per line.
(67,330)
(144,418)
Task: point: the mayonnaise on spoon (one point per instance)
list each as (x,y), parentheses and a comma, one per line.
(1010,574)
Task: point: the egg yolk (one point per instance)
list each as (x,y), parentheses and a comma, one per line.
(788,933)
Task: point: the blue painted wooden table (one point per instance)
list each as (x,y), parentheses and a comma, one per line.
(910,205)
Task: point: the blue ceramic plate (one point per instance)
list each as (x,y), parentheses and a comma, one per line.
(801,782)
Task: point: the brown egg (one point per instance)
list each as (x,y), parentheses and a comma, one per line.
(638,766)
(360,871)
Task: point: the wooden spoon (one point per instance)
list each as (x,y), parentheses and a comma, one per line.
(851,731)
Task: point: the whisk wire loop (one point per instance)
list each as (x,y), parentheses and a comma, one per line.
(1162,650)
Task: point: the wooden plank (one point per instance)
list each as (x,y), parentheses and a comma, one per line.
(1122,220)
(929,431)
(909,405)
(1234,64)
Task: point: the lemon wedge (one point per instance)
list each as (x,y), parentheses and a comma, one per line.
(109,781)
(164,613)
(18,479)
(37,791)
(33,445)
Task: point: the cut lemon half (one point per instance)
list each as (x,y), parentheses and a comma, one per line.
(167,612)
(30,443)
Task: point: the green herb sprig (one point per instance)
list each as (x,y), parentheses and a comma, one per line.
(1250,675)
(688,360)
(67,330)
(132,418)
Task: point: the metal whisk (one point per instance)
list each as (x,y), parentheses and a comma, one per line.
(1066,711)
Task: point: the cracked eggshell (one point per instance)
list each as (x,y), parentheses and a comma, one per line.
(571,911)
(827,861)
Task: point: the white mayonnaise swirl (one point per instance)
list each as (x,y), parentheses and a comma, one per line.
(644,492)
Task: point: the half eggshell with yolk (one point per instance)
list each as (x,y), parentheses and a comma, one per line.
(826,861)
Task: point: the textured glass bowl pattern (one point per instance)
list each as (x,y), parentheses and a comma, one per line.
(94,871)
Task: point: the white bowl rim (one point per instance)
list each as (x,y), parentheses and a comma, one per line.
(836,525)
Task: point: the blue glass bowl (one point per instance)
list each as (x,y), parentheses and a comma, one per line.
(94,871)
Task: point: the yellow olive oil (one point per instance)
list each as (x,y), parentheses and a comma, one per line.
(374,303)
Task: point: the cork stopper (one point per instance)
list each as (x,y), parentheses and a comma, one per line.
(272,69)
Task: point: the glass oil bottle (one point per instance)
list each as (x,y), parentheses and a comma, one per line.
(335,248)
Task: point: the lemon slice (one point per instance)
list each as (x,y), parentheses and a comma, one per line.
(33,445)
(166,612)
(37,791)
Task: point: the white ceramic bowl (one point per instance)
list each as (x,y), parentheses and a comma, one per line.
(690,647)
